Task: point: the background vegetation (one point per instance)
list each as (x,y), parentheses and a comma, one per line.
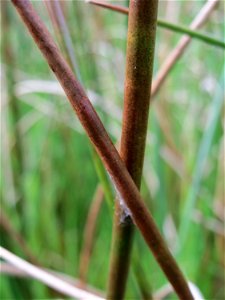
(49,178)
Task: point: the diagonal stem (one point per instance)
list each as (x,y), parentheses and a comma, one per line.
(178,51)
(17,237)
(167,25)
(104,146)
(47,278)
(68,43)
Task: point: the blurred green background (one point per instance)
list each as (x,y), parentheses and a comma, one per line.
(49,176)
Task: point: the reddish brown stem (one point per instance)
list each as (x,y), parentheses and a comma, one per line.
(104,146)
(178,51)
(89,233)
(118,8)
(17,237)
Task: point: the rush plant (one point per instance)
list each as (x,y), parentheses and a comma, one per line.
(122,169)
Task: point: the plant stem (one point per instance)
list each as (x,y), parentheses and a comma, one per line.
(17,149)
(58,20)
(167,25)
(104,146)
(104,180)
(62,26)
(139,66)
(192,33)
(11,270)
(47,278)
(145,289)
(177,52)
(89,233)
(17,237)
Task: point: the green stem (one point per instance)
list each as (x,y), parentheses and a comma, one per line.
(164,24)
(72,60)
(68,43)
(16,154)
(104,180)
(139,66)
(192,33)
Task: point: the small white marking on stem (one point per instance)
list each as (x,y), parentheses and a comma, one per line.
(125,210)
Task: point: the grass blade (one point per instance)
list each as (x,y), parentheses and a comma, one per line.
(45,277)
(203,152)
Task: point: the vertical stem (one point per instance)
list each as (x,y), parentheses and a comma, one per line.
(139,66)
(68,44)
(16,154)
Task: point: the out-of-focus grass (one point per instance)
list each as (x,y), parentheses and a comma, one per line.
(59,177)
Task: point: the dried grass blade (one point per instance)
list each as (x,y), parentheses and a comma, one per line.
(45,277)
